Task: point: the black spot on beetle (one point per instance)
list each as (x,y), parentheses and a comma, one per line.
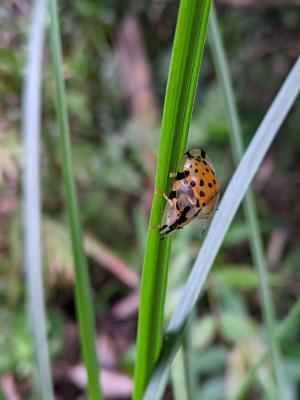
(203,154)
(206,169)
(214,181)
(196,170)
(201,183)
(210,185)
(202,194)
(193,183)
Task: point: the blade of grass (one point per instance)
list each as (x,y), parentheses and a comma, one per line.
(83,298)
(188,357)
(221,66)
(31,114)
(183,373)
(219,226)
(178,379)
(184,70)
(282,333)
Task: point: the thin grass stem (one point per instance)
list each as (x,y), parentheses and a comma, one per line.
(183,76)
(231,200)
(188,359)
(83,297)
(178,378)
(221,66)
(31,116)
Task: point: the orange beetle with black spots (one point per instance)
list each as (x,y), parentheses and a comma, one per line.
(195,192)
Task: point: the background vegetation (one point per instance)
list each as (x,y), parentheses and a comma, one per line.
(116,60)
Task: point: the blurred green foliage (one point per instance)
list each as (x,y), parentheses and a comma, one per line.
(115,139)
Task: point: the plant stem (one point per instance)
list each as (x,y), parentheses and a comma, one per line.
(83,297)
(221,65)
(231,200)
(183,76)
(31,198)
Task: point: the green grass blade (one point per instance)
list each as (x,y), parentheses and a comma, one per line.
(184,70)
(188,357)
(183,372)
(287,326)
(84,305)
(258,256)
(232,198)
(178,378)
(31,113)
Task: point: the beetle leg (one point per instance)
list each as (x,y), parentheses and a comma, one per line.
(179,175)
(170,199)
